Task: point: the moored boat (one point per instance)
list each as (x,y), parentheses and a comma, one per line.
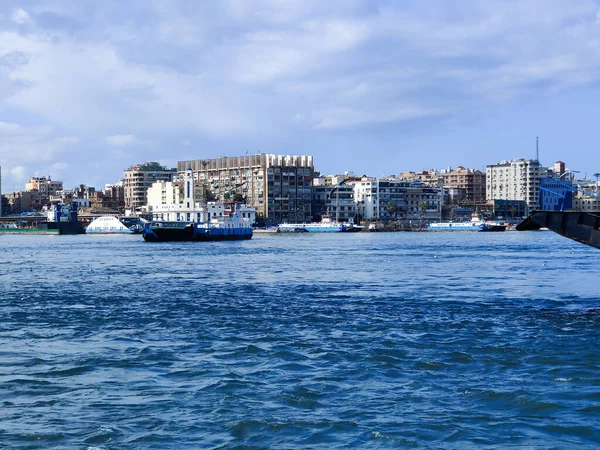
(326,225)
(115,225)
(233,227)
(475,224)
(58,219)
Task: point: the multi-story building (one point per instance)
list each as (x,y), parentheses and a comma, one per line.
(184,199)
(333,199)
(112,197)
(17,202)
(392,199)
(139,178)
(471,181)
(587,197)
(172,196)
(45,187)
(518,179)
(277,186)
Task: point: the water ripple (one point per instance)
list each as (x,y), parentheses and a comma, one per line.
(374,340)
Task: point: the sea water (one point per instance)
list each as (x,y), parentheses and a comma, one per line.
(359,340)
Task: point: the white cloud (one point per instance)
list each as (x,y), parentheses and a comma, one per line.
(120,140)
(9,128)
(18,173)
(33,147)
(20,16)
(245,69)
(68,140)
(59,166)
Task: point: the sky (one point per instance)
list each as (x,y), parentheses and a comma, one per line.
(377,87)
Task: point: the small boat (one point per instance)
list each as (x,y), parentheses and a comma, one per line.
(115,225)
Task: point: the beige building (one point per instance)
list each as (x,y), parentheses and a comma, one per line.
(138,178)
(471,181)
(277,186)
(518,179)
(44,185)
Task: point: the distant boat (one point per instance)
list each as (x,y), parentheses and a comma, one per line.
(115,225)
(326,225)
(475,224)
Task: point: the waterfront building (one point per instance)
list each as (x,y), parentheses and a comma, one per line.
(395,199)
(279,187)
(472,182)
(184,200)
(138,178)
(334,200)
(518,179)
(167,200)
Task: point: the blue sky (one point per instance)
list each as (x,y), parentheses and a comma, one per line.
(377,87)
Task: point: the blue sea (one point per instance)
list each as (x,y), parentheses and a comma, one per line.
(300,341)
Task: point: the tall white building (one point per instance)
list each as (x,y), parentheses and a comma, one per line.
(390,199)
(518,179)
(182,200)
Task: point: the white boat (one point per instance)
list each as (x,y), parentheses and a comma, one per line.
(475,224)
(115,225)
(456,226)
(326,225)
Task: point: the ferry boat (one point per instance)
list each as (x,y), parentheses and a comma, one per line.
(115,225)
(235,226)
(326,225)
(189,220)
(475,224)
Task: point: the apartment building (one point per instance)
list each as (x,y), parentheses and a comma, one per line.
(334,198)
(471,183)
(138,178)
(518,179)
(393,199)
(279,187)
(44,185)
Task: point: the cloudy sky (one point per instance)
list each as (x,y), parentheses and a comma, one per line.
(88,88)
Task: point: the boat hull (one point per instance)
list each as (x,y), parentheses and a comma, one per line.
(455,227)
(583,227)
(192,232)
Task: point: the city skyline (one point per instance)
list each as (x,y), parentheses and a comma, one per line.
(89,89)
